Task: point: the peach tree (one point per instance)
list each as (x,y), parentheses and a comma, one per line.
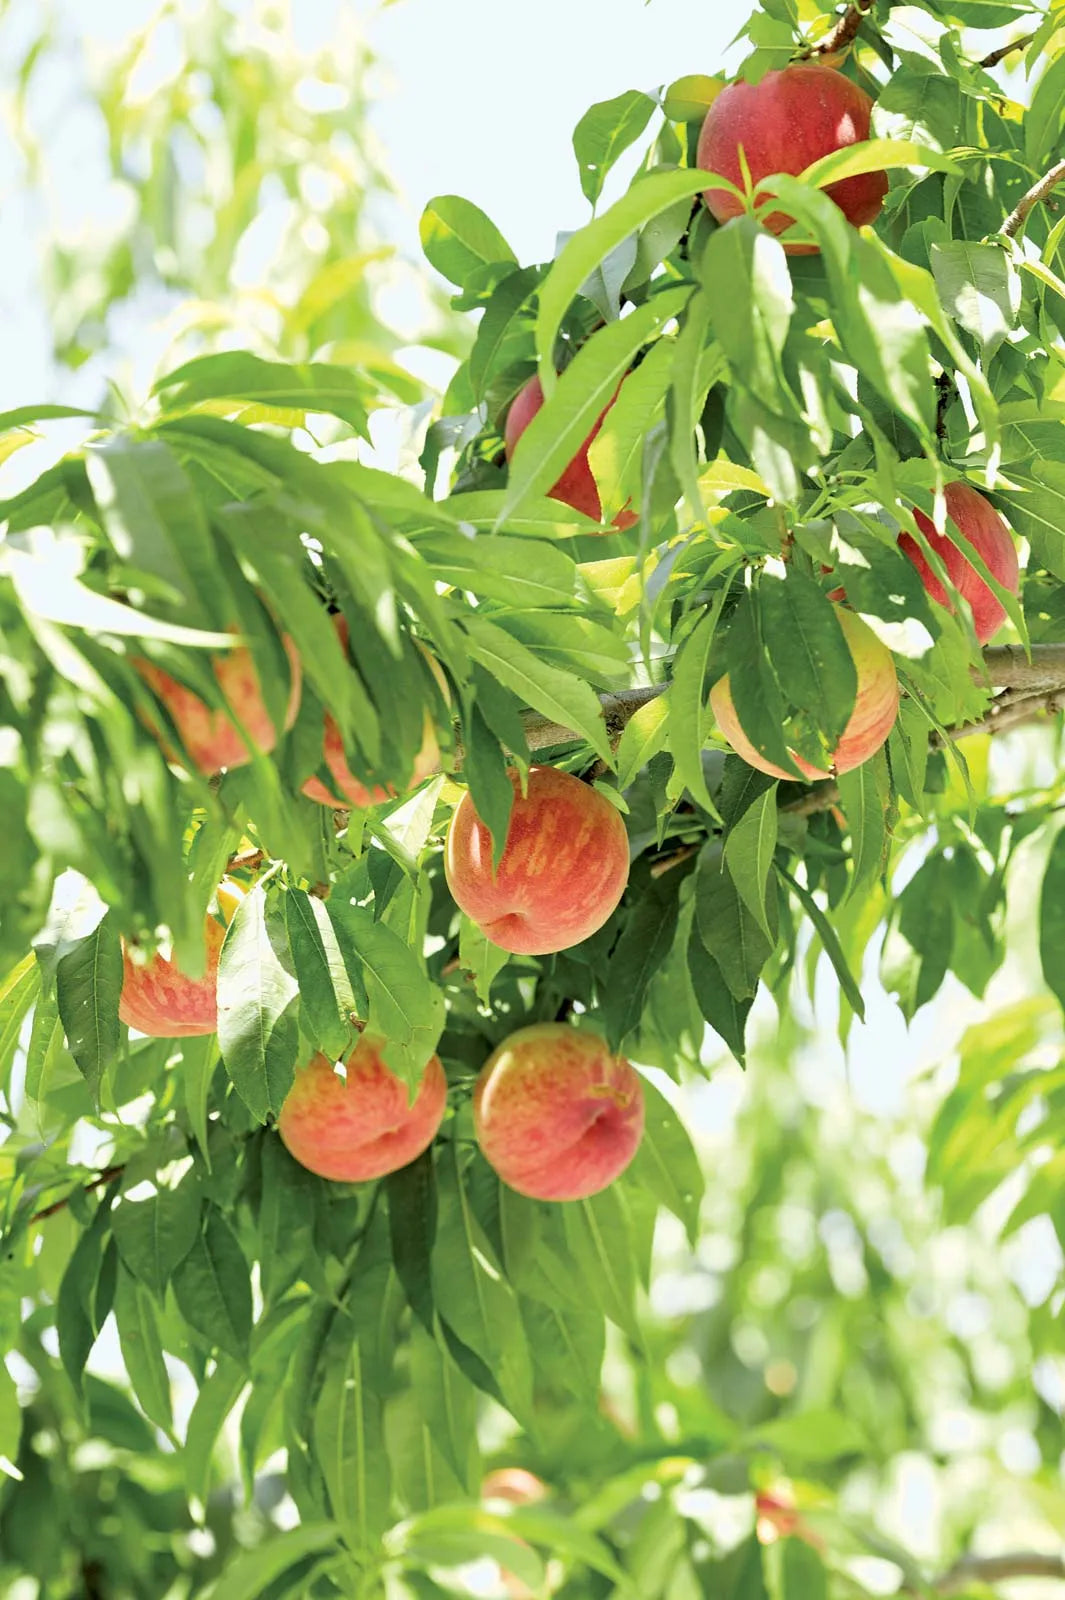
(380,844)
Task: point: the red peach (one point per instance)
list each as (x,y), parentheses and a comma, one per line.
(210,739)
(975,523)
(790,119)
(577,486)
(351,791)
(876,706)
(563,870)
(556,1114)
(360,1126)
(160,1000)
(778,1519)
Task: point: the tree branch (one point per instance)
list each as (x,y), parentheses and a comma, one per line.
(845,31)
(1004,50)
(94,1183)
(968,1570)
(1037,193)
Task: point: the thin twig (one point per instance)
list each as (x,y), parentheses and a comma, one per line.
(1037,193)
(1010,710)
(1004,50)
(86,1188)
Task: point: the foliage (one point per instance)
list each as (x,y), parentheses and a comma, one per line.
(781,417)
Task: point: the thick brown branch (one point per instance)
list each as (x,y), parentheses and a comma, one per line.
(1037,193)
(1004,50)
(1007,667)
(970,1570)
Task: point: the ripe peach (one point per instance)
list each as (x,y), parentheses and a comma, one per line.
(977,523)
(514,1484)
(362,1125)
(354,791)
(212,741)
(875,708)
(577,486)
(793,117)
(556,1114)
(160,1000)
(563,870)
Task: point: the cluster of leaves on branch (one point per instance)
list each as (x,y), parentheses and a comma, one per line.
(772,423)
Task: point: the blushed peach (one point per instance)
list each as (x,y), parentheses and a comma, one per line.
(160,1000)
(577,486)
(556,1114)
(362,1125)
(786,122)
(975,523)
(210,739)
(563,870)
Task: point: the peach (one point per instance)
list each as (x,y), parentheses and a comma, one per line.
(362,1125)
(515,1485)
(577,486)
(210,739)
(790,119)
(556,1114)
(976,523)
(160,1000)
(563,870)
(352,791)
(875,708)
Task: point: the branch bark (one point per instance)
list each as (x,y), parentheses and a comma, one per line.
(993,58)
(1037,193)
(845,31)
(968,1570)
(94,1183)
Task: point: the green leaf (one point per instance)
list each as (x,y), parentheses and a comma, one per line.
(213,1290)
(744,255)
(646,733)
(604,132)
(600,1240)
(753,684)
(981,289)
(10,1424)
(18,992)
(506,318)
(508,570)
(327,999)
(864,794)
(257,1001)
(154,1236)
(686,703)
(45,568)
(251,1574)
(591,650)
(406,1007)
(142,1350)
(728,928)
(157,524)
(616,453)
(454,1536)
(412,1214)
(813,1436)
(830,941)
(719,1006)
(199,1057)
(240,376)
(644,944)
(458,238)
(219,1393)
(749,849)
(1042,122)
(88,985)
(1052,920)
(922,104)
(808,650)
(479,956)
(560,696)
(874,155)
(583,252)
(349,1447)
(286,1220)
(471,1293)
(666,1164)
(588,385)
(447,1401)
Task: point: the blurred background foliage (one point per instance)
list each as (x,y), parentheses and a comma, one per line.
(870,1251)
